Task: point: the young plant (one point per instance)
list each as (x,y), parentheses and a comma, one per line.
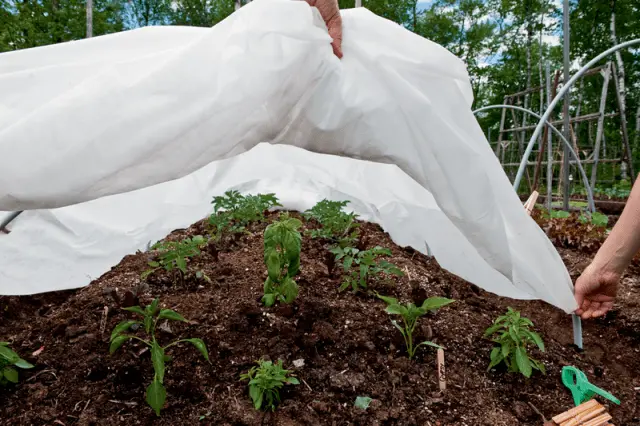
(151,314)
(233,212)
(410,314)
(8,360)
(511,333)
(282,242)
(173,255)
(335,225)
(265,382)
(360,266)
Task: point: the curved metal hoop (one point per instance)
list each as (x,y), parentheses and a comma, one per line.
(554,102)
(585,179)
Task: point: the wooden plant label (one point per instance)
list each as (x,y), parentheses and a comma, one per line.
(442,380)
(590,413)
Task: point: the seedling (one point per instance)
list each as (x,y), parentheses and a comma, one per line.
(8,360)
(513,336)
(337,226)
(265,382)
(173,255)
(362,402)
(282,243)
(410,314)
(151,314)
(360,266)
(233,212)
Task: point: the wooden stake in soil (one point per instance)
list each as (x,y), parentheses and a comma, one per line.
(442,379)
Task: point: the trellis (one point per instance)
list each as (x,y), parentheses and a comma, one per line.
(595,152)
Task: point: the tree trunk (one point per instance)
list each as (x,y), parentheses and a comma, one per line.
(526,97)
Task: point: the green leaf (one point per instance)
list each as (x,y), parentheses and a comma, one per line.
(117,342)
(491,330)
(157,358)
(539,366)
(272,260)
(496,358)
(536,338)
(435,303)
(21,363)
(506,348)
(269,299)
(290,290)
(523,362)
(181,263)
(362,402)
(396,310)
(8,354)
(154,264)
(10,374)
(256,395)
(153,308)
(199,343)
(388,300)
(171,315)
(148,323)
(293,381)
(135,309)
(428,343)
(156,396)
(398,326)
(122,327)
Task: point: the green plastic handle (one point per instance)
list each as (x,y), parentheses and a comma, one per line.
(580,387)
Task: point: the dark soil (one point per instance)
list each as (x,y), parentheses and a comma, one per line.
(347,343)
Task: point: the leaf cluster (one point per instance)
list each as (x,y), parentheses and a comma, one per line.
(282,244)
(361,265)
(8,360)
(265,382)
(151,314)
(572,231)
(512,334)
(336,225)
(173,254)
(233,212)
(410,313)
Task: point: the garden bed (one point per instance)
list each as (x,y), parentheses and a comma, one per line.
(346,342)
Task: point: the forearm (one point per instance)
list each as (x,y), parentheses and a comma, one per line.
(624,240)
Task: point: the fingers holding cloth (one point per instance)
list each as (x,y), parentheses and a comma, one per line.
(330,12)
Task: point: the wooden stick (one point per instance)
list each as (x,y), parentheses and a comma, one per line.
(560,418)
(599,421)
(442,379)
(591,413)
(531,202)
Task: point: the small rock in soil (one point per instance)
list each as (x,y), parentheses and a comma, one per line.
(298,363)
(320,407)
(522,410)
(347,380)
(74,331)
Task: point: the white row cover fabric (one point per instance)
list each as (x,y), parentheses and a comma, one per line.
(118,113)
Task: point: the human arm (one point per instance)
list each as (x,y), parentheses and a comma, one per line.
(596,288)
(330,12)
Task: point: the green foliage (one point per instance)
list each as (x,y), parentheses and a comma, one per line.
(282,242)
(511,333)
(233,212)
(265,382)
(596,218)
(151,314)
(360,266)
(8,360)
(173,254)
(336,225)
(410,314)
(555,214)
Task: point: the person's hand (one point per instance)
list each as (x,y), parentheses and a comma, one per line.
(595,292)
(330,12)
